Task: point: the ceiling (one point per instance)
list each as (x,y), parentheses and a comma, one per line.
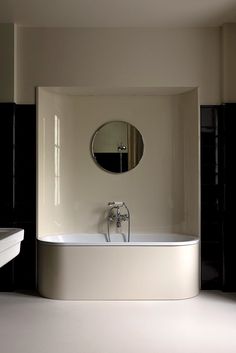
(118,13)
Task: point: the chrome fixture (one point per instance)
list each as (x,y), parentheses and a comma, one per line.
(115,215)
(121,147)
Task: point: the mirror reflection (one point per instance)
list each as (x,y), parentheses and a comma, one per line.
(117,146)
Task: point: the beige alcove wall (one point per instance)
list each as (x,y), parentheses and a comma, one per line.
(162,192)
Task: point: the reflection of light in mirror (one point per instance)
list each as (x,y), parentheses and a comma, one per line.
(44,159)
(57,159)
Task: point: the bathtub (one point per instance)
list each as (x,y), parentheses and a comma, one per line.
(87,267)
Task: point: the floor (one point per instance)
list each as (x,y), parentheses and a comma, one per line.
(204,324)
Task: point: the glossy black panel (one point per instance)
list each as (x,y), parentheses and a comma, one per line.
(7,277)
(208,116)
(25,264)
(25,163)
(211,269)
(210,201)
(212,231)
(229,245)
(230,170)
(212,197)
(6,160)
(208,174)
(18,190)
(229,276)
(6,184)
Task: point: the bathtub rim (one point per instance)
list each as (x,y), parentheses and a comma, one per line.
(194,239)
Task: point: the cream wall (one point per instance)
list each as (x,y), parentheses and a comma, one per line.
(191,152)
(229,62)
(119,58)
(155,191)
(7,64)
(202,57)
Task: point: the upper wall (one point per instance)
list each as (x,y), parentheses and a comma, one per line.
(7,62)
(118,57)
(228,61)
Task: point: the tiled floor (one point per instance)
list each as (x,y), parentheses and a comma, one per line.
(204,324)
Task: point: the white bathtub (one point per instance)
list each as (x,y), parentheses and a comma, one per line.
(87,267)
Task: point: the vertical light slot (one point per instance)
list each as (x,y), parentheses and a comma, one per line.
(44,161)
(57,152)
(14,162)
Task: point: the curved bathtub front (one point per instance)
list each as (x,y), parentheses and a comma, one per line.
(150,267)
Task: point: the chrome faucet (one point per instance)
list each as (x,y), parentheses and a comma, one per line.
(114,215)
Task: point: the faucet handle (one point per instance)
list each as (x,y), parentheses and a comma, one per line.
(115,203)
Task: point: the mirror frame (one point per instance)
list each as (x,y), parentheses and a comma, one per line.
(92,147)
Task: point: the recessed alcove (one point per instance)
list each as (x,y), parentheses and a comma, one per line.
(162,192)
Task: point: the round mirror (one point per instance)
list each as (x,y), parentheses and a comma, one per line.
(117,146)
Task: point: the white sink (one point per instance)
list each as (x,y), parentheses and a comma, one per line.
(10,239)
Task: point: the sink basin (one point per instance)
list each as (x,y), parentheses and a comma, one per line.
(10,239)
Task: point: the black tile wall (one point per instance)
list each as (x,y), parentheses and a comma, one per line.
(7,277)
(229,242)
(212,198)
(211,255)
(7,111)
(25,163)
(25,262)
(18,190)
(218,191)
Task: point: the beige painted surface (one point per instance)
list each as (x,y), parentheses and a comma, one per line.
(161,192)
(228,62)
(121,14)
(118,272)
(118,58)
(7,62)
(191,160)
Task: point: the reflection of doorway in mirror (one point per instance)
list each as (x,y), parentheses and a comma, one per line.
(135,146)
